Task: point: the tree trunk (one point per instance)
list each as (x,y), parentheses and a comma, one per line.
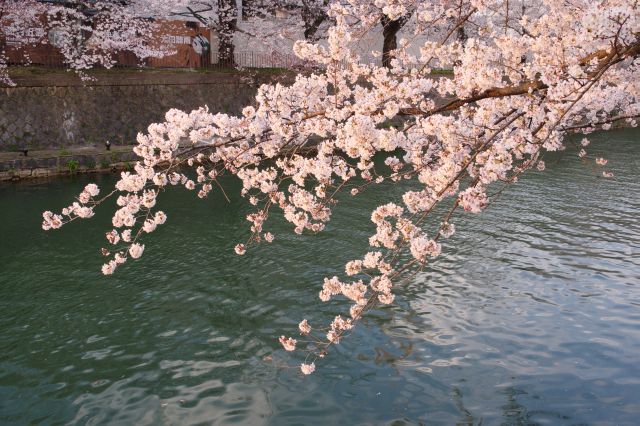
(313,16)
(257,9)
(390,29)
(227,24)
(311,27)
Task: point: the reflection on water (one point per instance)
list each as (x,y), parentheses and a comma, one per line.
(532,315)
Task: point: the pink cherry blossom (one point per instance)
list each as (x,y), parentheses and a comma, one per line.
(307,368)
(304,327)
(135,250)
(289,344)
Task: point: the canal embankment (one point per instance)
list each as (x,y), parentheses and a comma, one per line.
(62,122)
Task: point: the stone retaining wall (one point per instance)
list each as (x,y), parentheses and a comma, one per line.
(56,110)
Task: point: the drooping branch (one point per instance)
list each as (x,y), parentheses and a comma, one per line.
(498,125)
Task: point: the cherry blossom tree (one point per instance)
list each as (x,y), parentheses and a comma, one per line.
(21,24)
(86,32)
(520,86)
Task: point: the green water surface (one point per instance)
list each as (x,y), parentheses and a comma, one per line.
(531,316)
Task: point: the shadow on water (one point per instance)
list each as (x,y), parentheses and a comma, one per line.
(532,316)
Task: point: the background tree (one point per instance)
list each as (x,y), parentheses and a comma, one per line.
(87,33)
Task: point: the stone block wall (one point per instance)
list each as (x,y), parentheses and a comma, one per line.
(59,111)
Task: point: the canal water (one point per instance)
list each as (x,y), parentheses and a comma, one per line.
(531,316)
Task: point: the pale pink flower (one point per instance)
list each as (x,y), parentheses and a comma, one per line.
(149,199)
(601,161)
(307,368)
(92,189)
(126,235)
(268,237)
(84,197)
(381,284)
(473,199)
(84,212)
(304,327)
(333,337)
(448,229)
(355,311)
(541,166)
(386,299)
(325,295)
(341,324)
(136,250)
(113,237)
(240,249)
(129,220)
(149,225)
(248,111)
(582,153)
(422,246)
(354,267)
(607,174)
(160,218)
(108,268)
(371,259)
(333,285)
(355,291)
(288,344)
(51,221)
(160,179)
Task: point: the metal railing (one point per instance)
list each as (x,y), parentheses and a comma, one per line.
(244,59)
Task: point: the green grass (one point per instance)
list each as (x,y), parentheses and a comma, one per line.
(442,71)
(72,165)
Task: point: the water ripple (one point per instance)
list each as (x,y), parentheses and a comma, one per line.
(532,315)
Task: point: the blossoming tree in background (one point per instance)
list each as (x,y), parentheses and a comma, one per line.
(87,33)
(90,33)
(519,86)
